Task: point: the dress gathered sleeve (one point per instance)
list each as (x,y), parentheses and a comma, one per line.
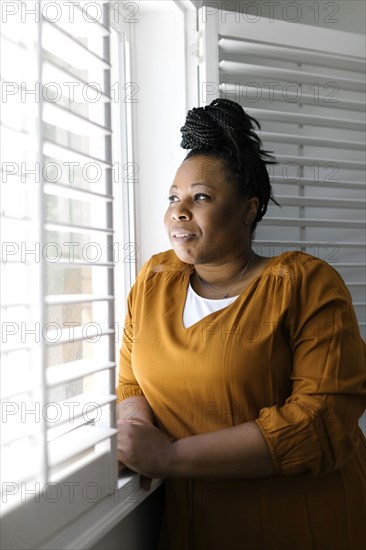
(315,431)
(127,383)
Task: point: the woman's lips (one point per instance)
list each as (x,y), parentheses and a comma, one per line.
(182,237)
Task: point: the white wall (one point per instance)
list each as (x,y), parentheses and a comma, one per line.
(128,533)
(158,116)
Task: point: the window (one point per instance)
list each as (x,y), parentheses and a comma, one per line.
(63,155)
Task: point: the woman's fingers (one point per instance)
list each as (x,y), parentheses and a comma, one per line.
(145,482)
(120,458)
(144,449)
(139,421)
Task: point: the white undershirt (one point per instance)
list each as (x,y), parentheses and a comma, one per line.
(197,307)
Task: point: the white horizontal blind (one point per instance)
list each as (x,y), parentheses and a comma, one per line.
(306,86)
(22,387)
(64,292)
(78,206)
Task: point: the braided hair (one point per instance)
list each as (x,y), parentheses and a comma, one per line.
(225,131)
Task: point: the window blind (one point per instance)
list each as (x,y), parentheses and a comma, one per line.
(306,87)
(21,371)
(58,343)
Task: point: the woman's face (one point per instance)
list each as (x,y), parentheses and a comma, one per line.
(206,220)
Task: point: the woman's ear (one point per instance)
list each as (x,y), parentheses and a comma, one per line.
(251,210)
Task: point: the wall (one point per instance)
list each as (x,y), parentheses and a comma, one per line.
(158,116)
(140,529)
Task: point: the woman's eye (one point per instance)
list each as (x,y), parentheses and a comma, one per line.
(201,196)
(198,196)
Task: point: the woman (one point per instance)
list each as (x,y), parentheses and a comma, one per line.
(242,378)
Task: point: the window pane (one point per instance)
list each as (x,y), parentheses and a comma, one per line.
(98,350)
(77,174)
(75,212)
(97,383)
(81,313)
(72,246)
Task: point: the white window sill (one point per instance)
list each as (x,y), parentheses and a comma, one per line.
(87,529)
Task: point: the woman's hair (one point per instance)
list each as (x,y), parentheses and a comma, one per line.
(225,131)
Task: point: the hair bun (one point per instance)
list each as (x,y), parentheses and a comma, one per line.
(201,130)
(211,127)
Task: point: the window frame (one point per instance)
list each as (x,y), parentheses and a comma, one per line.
(35,503)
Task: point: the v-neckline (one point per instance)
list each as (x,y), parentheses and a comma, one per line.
(241,295)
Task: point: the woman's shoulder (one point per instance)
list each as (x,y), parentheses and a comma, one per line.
(294,264)
(164,262)
(303,267)
(298,260)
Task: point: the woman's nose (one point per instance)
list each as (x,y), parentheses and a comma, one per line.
(180,217)
(180,212)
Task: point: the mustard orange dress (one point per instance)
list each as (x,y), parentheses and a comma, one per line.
(287,353)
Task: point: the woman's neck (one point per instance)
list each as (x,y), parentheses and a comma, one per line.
(228,279)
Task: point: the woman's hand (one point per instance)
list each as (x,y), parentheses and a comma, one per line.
(145,481)
(135,410)
(145,449)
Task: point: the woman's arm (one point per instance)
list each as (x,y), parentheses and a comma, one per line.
(238,452)
(134,410)
(235,452)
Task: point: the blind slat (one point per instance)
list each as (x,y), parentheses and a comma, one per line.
(56,226)
(312,222)
(12,433)
(76,442)
(307,244)
(66,47)
(312,140)
(74,192)
(296,55)
(77,263)
(22,135)
(61,117)
(71,409)
(341,183)
(304,119)
(320,202)
(304,160)
(55,338)
(66,372)
(55,150)
(81,88)
(80,25)
(76,298)
(354,265)
(289,75)
(253,93)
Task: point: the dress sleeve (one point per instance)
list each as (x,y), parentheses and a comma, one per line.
(316,430)
(127,383)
